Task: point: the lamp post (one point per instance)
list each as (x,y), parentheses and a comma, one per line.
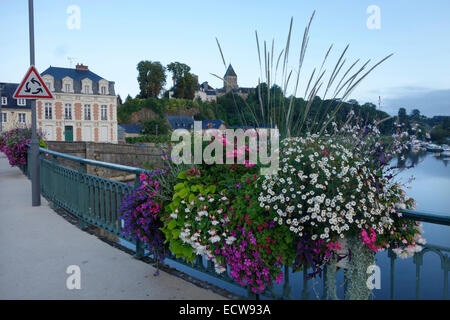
(35,169)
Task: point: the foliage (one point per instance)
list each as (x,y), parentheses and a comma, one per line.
(165,106)
(185,82)
(151,78)
(14,144)
(155,126)
(439,133)
(148,138)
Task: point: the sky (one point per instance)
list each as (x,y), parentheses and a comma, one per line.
(113,36)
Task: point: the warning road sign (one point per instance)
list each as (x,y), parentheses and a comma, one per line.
(32,87)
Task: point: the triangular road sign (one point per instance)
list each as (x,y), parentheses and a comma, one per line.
(32,87)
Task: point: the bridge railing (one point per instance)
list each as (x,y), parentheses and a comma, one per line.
(96,200)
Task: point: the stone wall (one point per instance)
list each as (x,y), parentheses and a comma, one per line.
(124,154)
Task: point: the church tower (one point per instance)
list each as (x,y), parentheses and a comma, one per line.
(230,78)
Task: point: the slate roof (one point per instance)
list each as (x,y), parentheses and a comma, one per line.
(205,86)
(131,128)
(180,122)
(7,90)
(230,72)
(77,75)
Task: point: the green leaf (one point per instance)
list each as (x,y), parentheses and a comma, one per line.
(178,186)
(172,224)
(182,175)
(186,251)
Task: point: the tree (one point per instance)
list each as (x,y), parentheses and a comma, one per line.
(151,78)
(185,83)
(128,98)
(155,126)
(415,114)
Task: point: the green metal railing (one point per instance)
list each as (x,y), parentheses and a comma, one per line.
(95,201)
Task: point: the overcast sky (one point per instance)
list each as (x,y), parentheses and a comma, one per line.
(115,35)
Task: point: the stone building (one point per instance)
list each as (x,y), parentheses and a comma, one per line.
(84,108)
(230,84)
(15,113)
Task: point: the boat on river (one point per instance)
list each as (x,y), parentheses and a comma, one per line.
(434,148)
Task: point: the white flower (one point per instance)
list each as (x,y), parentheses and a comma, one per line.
(230,240)
(173,215)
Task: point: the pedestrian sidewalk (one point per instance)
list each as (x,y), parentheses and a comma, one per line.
(37,245)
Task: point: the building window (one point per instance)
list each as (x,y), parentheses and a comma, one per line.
(48,85)
(21,102)
(48,111)
(103,89)
(4,101)
(86,90)
(4,117)
(68,111)
(104,112)
(22,117)
(67,86)
(87,112)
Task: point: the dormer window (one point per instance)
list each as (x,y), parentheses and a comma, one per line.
(48,81)
(103,90)
(4,101)
(67,84)
(86,90)
(21,102)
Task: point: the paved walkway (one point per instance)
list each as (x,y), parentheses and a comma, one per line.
(37,246)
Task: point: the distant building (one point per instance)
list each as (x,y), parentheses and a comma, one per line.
(206,93)
(128,131)
(184,122)
(15,113)
(181,122)
(230,84)
(84,108)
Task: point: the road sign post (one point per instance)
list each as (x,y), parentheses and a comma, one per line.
(33,87)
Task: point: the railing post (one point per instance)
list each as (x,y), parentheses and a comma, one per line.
(305,293)
(286,287)
(140,253)
(418,260)
(391,255)
(81,196)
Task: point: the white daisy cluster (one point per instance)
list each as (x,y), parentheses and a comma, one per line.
(322,189)
(203,218)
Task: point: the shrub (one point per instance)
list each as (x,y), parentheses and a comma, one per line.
(14,144)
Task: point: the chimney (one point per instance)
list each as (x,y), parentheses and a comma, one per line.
(81,67)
